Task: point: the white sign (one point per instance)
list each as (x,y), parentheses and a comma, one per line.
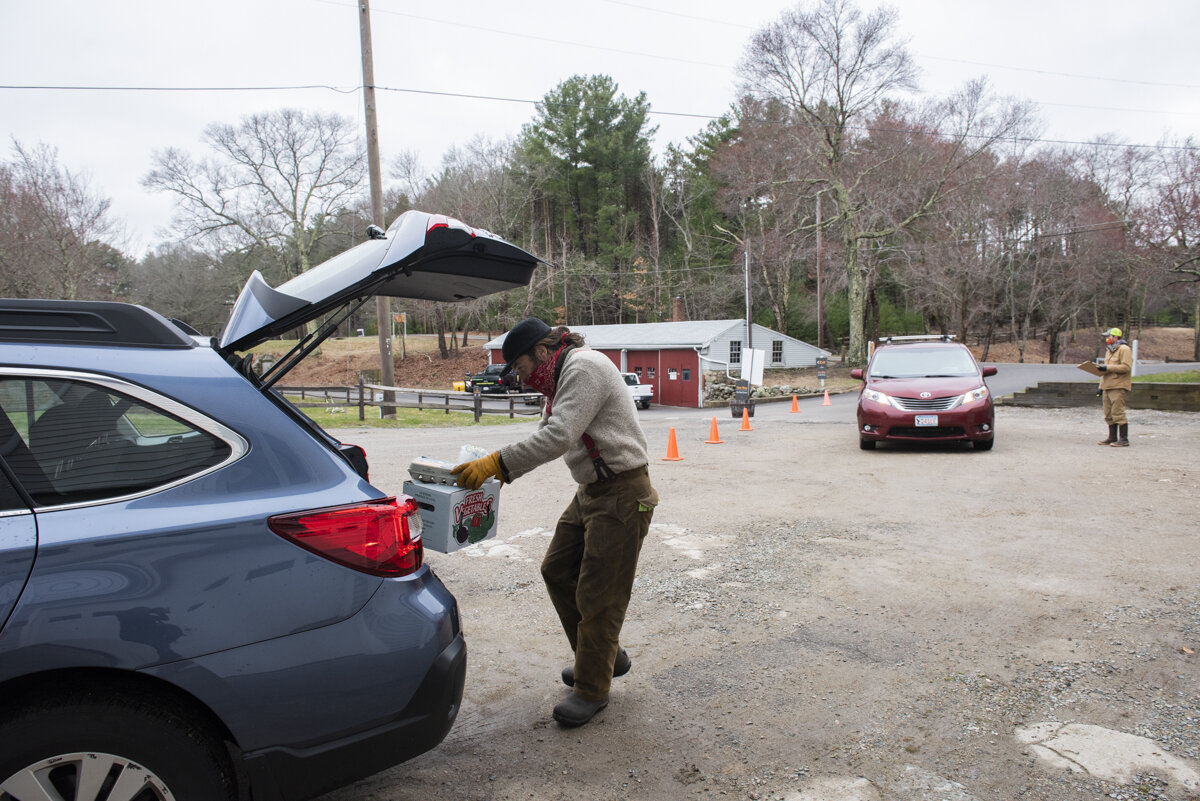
(753,362)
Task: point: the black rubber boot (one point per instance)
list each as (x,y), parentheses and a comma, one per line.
(1112,436)
(1122,437)
(574,711)
(621,666)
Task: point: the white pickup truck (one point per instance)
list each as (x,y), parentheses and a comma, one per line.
(641,393)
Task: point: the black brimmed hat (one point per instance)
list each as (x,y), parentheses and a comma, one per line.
(521,339)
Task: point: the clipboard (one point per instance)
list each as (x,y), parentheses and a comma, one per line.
(1090,367)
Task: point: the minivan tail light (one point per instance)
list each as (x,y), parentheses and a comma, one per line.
(382,538)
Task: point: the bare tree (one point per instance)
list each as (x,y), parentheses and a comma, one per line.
(1175,216)
(275,182)
(835,69)
(184,283)
(57,234)
(772,213)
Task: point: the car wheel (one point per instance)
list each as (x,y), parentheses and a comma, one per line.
(867,444)
(98,748)
(645,404)
(984,444)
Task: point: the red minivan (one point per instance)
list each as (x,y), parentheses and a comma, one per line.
(924,389)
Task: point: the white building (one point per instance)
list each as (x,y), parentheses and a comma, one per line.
(673,357)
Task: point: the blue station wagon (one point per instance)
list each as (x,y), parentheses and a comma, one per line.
(202,596)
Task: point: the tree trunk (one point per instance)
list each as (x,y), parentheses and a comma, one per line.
(439,318)
(1022,339)
(856,290)
(1196,326)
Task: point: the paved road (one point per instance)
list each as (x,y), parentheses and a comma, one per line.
(1012,378)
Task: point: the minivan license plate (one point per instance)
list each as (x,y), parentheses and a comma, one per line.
(927,419)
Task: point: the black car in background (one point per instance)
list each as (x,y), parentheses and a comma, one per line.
(490,382)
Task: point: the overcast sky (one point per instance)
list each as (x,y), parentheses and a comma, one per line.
(450,71)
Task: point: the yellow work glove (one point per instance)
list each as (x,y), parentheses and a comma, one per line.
(472,474)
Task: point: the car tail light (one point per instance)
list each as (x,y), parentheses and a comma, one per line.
(381,537)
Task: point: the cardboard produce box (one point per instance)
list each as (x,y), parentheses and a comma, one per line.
(452,517)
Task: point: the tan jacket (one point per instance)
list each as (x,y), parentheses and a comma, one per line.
(1119,364)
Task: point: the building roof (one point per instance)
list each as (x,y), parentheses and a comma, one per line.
(655,336)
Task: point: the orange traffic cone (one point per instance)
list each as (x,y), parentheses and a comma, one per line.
(745,420)
(795,406)
(672,449)
(826,401)
(713,437)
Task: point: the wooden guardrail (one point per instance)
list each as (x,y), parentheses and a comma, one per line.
(376,395)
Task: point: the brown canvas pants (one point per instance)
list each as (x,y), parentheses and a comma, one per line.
(1114,406)
(589,569)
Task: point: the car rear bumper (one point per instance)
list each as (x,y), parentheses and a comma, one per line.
(315,710)
(966,424)
(290,774)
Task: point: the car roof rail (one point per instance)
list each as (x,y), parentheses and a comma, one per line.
(88,322)
(919,338)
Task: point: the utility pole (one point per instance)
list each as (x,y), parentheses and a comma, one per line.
(820,308)
(749,342)
(383,312)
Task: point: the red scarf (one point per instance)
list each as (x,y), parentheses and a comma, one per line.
(542,378)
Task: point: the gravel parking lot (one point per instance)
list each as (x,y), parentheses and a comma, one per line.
(812,621)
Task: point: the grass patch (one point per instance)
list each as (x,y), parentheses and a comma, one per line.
(336,347)
(405,418)
(1188,377)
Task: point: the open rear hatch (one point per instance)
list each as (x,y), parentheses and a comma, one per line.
(423,256)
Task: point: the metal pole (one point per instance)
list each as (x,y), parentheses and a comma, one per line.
(382,311)
(820,308)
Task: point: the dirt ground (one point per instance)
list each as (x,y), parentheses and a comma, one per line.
(1154,344)
(813,622)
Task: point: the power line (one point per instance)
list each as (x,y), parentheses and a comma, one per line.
(82,88)
(525,101)
(468,96)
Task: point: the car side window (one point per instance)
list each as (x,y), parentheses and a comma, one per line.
(78,442)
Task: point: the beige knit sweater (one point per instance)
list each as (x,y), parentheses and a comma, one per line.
(591,396)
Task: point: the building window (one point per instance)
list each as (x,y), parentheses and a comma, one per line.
(687,374)
(650,373)
(671,374)
(735,351)
(638,372)
(777,351)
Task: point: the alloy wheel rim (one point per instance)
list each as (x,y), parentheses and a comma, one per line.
(89,776)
